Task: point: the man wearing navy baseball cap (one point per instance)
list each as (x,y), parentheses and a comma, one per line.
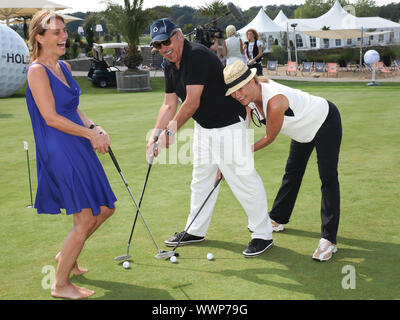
(194,74)
(161,30)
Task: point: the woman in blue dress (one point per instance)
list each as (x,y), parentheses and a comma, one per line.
(70,175)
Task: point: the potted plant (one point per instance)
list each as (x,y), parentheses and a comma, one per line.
(130,21)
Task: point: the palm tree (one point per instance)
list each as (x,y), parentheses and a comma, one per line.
(131,21)
(90,20)
(213,9)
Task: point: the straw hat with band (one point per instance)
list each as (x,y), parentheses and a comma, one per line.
(237,75)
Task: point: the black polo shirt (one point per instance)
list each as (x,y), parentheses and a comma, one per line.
(200,66)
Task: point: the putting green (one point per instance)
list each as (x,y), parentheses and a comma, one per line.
(368,239)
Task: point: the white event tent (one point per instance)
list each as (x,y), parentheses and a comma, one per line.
(22,8)
(338,28)
(266,28)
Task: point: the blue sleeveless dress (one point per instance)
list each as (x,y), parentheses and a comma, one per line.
(70,175)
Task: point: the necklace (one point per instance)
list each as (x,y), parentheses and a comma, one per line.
(57,72)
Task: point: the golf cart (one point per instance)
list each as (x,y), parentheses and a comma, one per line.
(100,73)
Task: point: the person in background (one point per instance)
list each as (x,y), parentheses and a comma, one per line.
(232,46)
(69,173)
(254,51)
(311,122)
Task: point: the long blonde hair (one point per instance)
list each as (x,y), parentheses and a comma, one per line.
(39,24)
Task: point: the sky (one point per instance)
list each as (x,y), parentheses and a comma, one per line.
(97,5)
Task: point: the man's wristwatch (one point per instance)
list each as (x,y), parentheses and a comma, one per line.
(169,132)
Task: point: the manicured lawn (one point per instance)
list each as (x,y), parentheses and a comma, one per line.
(368,239)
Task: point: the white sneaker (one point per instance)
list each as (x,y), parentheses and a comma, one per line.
(324,251)
(277,227)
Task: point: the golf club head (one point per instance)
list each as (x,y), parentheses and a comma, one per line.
(165,254)
(122,258)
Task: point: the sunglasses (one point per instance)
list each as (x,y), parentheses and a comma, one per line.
(259,121)
(157,45)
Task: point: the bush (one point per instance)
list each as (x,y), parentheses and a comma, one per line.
(277,53)
(108,38)
(72,50)
(344,56)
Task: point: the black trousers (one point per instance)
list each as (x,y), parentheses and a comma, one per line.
(327,144)
(259,68)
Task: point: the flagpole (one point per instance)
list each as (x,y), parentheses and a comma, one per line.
(288,42)
(26,147)
(361,45)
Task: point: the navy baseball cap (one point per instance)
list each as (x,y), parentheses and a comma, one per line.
(161,30)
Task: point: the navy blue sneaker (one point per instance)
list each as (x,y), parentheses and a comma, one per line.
(187,238)
(257,246)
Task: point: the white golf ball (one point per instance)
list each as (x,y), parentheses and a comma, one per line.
(173,259)
(14,56)
(210,256)
(126,264)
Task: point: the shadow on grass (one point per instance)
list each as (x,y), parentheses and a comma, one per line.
(6,115)
(122,291)
(374,263)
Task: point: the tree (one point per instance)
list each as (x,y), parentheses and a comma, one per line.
(365,8)
(390,11)
(90,22)
(159,12)
(316,8)
(131,21)
(213,10)
(187,28)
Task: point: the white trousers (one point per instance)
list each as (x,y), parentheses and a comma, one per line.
(228,149)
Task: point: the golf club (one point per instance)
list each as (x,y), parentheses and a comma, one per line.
(127,256)
(209,195)
(160,254)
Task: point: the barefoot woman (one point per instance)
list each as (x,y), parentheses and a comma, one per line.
(70,175)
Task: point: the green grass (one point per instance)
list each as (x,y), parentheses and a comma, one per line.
(368,239)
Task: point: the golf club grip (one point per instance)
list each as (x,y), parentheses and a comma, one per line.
(113,159)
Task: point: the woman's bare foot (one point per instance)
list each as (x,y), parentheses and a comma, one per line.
(76,270)
(70,291)
(84,290)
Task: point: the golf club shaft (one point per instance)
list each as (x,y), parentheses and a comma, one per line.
(209,195)
(130,193)
(144,188)
(141,214)
(140,202)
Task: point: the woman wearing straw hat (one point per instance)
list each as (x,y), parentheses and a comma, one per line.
(232,47)
(310,121)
